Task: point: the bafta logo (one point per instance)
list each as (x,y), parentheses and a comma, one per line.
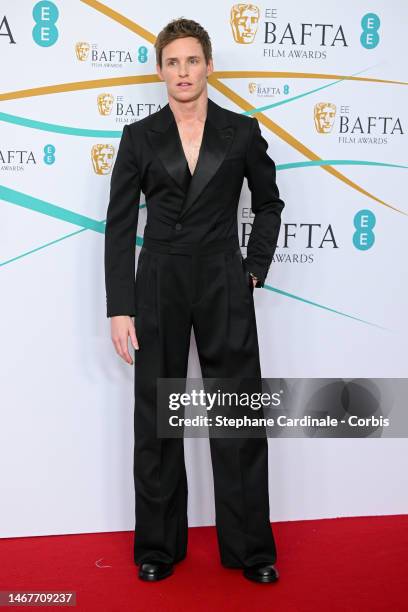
(102,157)
(324,115)
(251,87)
(244,22)
(82,51)
(105,103)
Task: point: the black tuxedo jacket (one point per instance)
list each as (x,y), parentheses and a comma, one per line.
(151,159)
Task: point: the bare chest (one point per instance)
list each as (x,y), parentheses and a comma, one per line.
(191,138)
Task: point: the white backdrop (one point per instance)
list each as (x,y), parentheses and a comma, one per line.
(329,308)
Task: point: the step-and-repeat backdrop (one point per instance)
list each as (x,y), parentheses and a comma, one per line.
(328,83)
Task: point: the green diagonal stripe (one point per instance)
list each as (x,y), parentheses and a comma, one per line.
(306,301)
(21,199)
(57,212)
(51,210)
(261,109)
(43,246)
(86,223)
(59,129)
(73,131)
(336,162)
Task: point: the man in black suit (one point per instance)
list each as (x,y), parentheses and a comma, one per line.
(190,159)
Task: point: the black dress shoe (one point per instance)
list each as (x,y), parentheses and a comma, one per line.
(155,570)
(262,572)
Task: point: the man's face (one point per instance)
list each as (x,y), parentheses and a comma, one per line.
(183,61)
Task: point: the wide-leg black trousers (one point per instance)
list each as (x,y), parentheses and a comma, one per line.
(177,287)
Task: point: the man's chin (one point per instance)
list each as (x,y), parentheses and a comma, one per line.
(184,96)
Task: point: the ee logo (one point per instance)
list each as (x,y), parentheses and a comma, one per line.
(363,237)
(45,15)
(49,157)
(369,36)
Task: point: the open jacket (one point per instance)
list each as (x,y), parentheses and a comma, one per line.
(151,159)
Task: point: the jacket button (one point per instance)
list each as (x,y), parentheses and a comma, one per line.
(178,226)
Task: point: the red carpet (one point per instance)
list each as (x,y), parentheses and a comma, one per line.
(348,564)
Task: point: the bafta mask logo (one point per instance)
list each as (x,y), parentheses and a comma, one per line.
(105,103)
(102,157)
(251,87)
(244,20)
(82,51)
(324,115)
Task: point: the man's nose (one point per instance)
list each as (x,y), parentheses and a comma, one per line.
(183,70)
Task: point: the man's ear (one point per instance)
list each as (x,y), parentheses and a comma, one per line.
(210,67)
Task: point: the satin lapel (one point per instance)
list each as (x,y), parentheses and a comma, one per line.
(168,148)
(166,143)
(214,147)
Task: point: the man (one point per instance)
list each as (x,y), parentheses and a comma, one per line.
(190,159)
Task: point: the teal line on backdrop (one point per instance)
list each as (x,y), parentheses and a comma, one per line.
(43,246)
(51,210)
(139,242)
(336,162)
(59,129)
(58,212)
(114,134)
(63,214)
(99,226)
(260,109)
(306,301)
(88,133)
(31,203)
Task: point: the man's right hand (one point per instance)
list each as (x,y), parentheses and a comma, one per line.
(121,328)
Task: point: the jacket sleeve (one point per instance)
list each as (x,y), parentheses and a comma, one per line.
(265,204)
(120,230)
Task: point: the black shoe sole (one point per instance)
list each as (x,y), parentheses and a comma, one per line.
(147,577)
(262,580)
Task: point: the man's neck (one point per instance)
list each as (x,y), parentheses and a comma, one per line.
(190,112)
